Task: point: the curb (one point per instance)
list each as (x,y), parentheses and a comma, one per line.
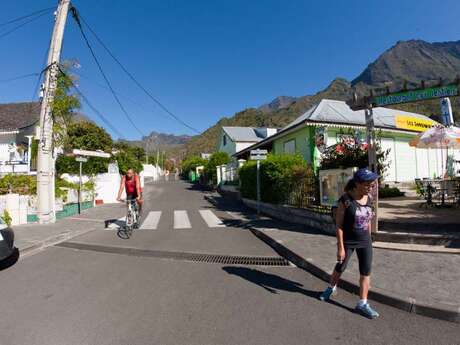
(438,311)
(49,242)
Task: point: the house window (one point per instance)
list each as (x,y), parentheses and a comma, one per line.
(224,140)
(289,146)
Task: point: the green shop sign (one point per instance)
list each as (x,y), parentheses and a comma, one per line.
(415,95)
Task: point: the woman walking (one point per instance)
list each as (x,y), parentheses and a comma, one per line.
(353,230)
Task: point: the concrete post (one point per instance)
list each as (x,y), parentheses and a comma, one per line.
(219,174)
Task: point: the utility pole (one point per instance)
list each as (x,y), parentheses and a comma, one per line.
(46,159)
(372,158)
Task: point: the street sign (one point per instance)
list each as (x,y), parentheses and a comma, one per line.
(91,153)
(81,159)
(258,155)
(415,95)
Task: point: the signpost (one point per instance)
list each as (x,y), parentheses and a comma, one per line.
(87,153)
(81,158)
(415,95)
(258,155)
(366,103)
(405,96)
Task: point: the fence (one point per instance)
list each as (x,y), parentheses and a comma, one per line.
(228,174)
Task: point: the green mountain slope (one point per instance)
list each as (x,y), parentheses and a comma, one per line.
(410,61)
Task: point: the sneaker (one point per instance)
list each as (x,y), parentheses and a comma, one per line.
(367,311)
(326,295)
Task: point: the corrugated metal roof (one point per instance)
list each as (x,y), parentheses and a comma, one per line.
(244,134)
(337,113)
(332,111)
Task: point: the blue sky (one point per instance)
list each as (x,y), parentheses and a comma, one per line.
(209,59)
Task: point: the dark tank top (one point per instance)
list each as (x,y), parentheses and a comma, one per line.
(356,222)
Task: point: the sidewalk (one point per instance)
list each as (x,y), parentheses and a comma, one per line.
(33,237)
(422,283)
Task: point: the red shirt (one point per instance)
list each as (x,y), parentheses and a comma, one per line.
(131,185)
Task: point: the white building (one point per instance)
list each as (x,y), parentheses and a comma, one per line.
(235,139)
(18,126)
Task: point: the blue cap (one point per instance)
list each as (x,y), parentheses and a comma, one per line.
(365,175)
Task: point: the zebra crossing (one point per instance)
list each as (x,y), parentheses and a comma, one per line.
(181,220)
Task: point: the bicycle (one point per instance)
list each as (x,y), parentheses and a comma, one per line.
(132,217)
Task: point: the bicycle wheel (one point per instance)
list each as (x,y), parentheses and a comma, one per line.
(129,224)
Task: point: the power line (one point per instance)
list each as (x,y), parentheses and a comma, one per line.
(17,27)
(24,76)
(92,107)
(75,15)
(127,98)
(133,78)
(26,16)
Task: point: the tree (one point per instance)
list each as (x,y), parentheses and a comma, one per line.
(190,164)
(84,135)
(216,159)
(64,104)
(129,157)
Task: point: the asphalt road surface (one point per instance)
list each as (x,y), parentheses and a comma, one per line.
(101,289)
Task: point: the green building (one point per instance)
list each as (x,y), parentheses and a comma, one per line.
(331,121)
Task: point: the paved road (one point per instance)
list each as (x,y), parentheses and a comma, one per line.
(87,296)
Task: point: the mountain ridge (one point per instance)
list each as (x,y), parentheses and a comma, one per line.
(406,61)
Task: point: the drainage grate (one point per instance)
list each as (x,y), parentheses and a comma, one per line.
(195,257)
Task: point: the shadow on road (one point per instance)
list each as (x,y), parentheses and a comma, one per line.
(10,261)
(274,283)
(227,204)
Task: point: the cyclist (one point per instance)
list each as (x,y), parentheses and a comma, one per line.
(131,183)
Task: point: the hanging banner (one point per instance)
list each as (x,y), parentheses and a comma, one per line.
(413,123)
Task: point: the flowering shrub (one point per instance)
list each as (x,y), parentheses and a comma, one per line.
(351,154)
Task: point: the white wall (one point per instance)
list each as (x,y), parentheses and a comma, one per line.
(106,187)
(16,205)
(242,145)
(408,163)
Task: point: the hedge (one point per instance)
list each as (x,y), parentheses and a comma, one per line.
(277,177)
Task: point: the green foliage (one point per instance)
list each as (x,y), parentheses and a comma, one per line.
(6,217)
(84,135)
(64,104)
(61,186)
(190,164)
(21,184)
(390,192)
(129,157)
(68,164)
(216,159)
(278,175)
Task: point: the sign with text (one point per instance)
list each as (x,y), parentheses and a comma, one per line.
(87,153)
(258,154)
(415,95)
(413,123)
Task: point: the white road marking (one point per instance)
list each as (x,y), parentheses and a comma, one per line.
(234,215)
(118,224)
(211,219)
(152,220)
(181,220)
